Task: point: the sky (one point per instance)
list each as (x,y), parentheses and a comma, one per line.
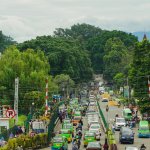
(26,19)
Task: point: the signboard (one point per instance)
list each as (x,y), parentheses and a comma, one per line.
(10,113)
(126,91)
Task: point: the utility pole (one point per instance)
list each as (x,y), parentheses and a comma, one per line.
(148,87)
(16,99)
(128,88)
(46,97)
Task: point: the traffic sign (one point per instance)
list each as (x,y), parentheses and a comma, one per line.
(10,113)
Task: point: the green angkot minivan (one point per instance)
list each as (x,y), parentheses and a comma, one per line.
(144,130)
(58,142)
(66,134)
(89,137)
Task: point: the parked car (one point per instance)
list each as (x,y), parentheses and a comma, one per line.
(94,146)
(126,135)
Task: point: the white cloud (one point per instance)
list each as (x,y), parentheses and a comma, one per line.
(25,19)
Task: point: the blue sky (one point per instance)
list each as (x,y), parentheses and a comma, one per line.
(25,19)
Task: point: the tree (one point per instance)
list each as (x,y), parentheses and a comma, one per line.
(139,73)
(64,82)
(32,69)
(115,58)
(65,56)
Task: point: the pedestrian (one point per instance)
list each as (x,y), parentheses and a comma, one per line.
(106,145)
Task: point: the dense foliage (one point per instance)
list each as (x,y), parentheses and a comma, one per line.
(64,56)
(140,72)
(32,68)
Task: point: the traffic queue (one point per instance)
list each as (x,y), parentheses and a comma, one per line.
(73,130)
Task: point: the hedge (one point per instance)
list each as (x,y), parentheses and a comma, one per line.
(26,141)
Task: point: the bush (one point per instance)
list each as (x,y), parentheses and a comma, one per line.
(26,141)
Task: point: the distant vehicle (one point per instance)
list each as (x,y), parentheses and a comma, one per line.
(88,137)
(104,100)
(119,122)
(131,148)
(127,114)
(111,92)
(126,135)
(96,129)
(76,120)
(94,146)
(144,130)
(65,133)
(58,142)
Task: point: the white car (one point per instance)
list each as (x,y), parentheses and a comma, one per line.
(131,148)
(94,121)
(96,129)
(119,122)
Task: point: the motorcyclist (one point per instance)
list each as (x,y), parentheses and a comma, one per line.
(143,147)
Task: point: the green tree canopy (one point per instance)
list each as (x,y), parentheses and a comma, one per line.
(32,68)
(139,74)
(65,56)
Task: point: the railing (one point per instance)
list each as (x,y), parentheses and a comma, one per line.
(53,118)
(103,118)
(109,133)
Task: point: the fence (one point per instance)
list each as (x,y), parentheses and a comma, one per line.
(110,135)
(102,116)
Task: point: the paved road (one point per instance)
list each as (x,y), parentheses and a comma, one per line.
(111,115)
(85,127)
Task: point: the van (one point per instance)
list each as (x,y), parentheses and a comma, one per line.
(144,130)
(126,135)
(127,114)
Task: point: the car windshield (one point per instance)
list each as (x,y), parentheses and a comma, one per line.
(95,127)
(129,114)
(64,131)
(89,134)
(120,120)
(77,118)
(67,126)
(60,140)
(94,144)
(144,128)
